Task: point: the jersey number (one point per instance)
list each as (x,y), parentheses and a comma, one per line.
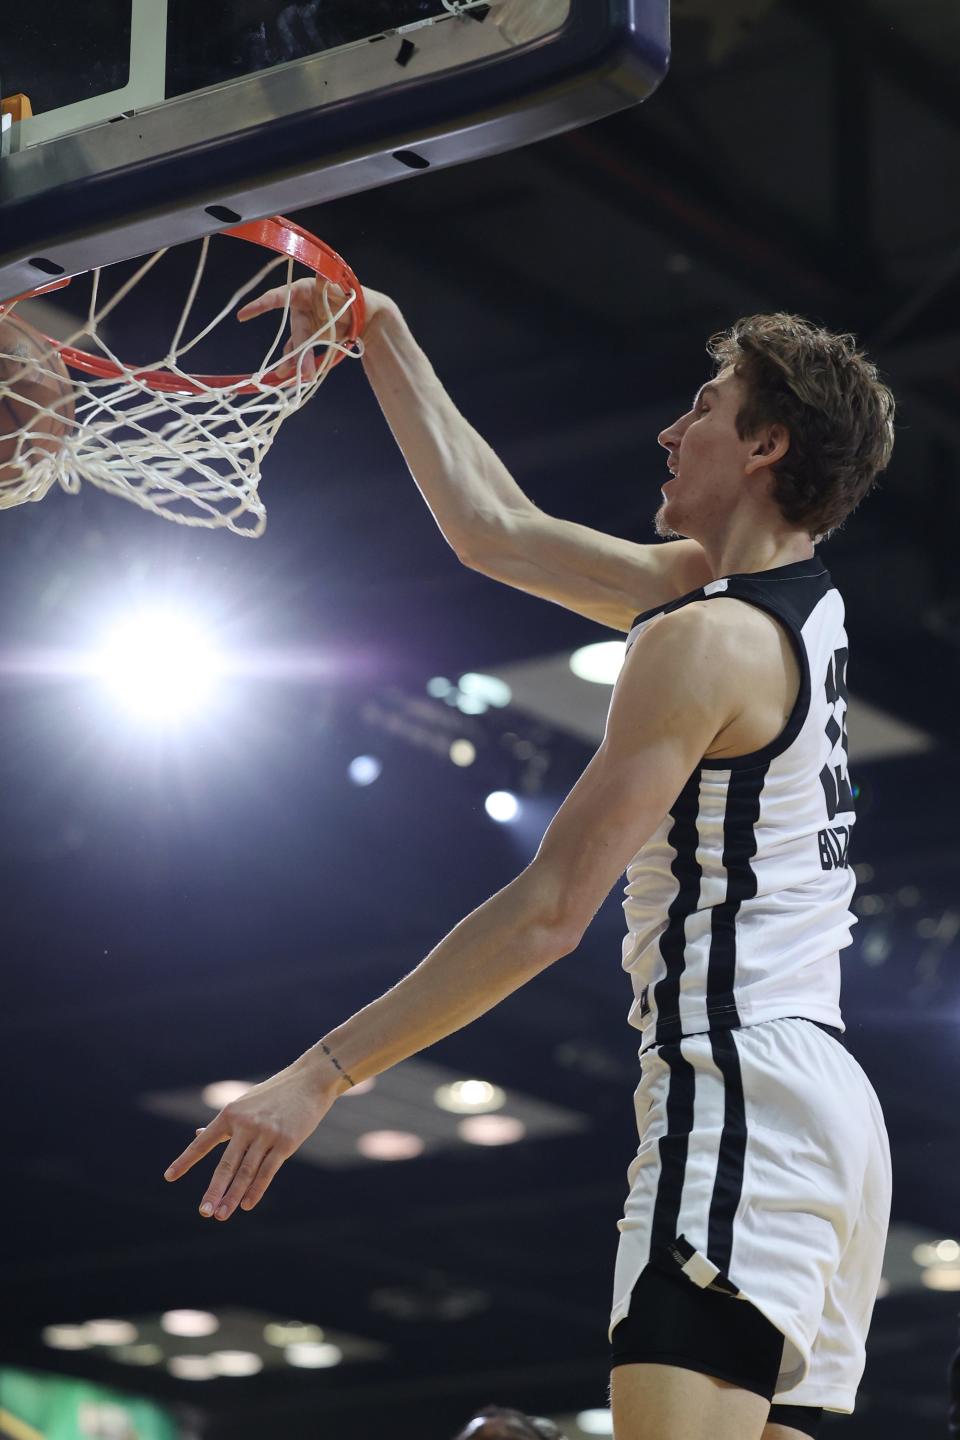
(835,779)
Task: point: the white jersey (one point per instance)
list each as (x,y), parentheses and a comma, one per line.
(738,905)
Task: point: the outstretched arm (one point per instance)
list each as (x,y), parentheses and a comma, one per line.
(678,689)
(486,517)
(478,505)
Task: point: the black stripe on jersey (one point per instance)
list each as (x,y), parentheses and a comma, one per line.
(683,838)
(673,1146)
(728,1183)
(739,847)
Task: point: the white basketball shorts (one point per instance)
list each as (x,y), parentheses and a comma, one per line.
(764,1170)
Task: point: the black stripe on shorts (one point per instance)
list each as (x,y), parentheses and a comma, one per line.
(731,1161)
(673,1148)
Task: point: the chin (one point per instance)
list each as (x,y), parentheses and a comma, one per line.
(663,526)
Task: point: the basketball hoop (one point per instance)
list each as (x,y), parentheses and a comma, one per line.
(183,445)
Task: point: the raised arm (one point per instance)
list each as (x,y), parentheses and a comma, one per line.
(479,507)
(486,517)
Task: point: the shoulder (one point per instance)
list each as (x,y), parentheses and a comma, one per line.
(716,647)
(725,622)
(691,655)
(717,624)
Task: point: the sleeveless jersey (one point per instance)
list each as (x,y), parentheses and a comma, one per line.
(738,905)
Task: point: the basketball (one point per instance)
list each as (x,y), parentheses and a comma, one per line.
(36,395)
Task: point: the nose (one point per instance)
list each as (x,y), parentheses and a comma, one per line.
(670,438)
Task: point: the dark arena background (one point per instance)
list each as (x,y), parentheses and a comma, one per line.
(192,904)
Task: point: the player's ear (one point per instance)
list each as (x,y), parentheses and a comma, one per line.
(768,446)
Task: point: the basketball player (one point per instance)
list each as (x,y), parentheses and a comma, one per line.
(753,1233)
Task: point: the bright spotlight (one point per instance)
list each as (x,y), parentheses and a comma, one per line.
(600,663)
(159,665)
(469,1097)
(502,806)
(364,769)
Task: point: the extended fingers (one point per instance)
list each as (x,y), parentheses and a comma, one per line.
(207,1139)
(234,1175)
(256,1189)
(270,300)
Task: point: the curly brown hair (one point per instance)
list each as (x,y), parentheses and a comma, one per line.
(828,395)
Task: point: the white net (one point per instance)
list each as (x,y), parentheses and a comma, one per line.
(191,453)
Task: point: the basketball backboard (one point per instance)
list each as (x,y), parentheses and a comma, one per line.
(156,121)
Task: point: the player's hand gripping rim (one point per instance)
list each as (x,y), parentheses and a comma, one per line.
(319,309)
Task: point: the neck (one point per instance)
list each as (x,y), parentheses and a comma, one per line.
(757,552)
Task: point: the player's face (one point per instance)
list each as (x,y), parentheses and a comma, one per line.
(706,458)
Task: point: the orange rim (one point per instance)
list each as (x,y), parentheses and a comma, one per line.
(276,233)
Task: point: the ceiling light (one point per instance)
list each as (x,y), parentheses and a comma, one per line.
(364,769)
(111,1332)
(190,1323)
(192,1367)
(390,1145)
(469,1097)
(138,1354)
(439,688)
(236,1362)
(471,705)
(313,1357)
(600,663)
(942,1277)
(224,1092)
(158,665)
(939,1252)
(463,752)
(67,1337)
(486,688)
(595,1422)
(502,806)
(292,1332)
(491,1129)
